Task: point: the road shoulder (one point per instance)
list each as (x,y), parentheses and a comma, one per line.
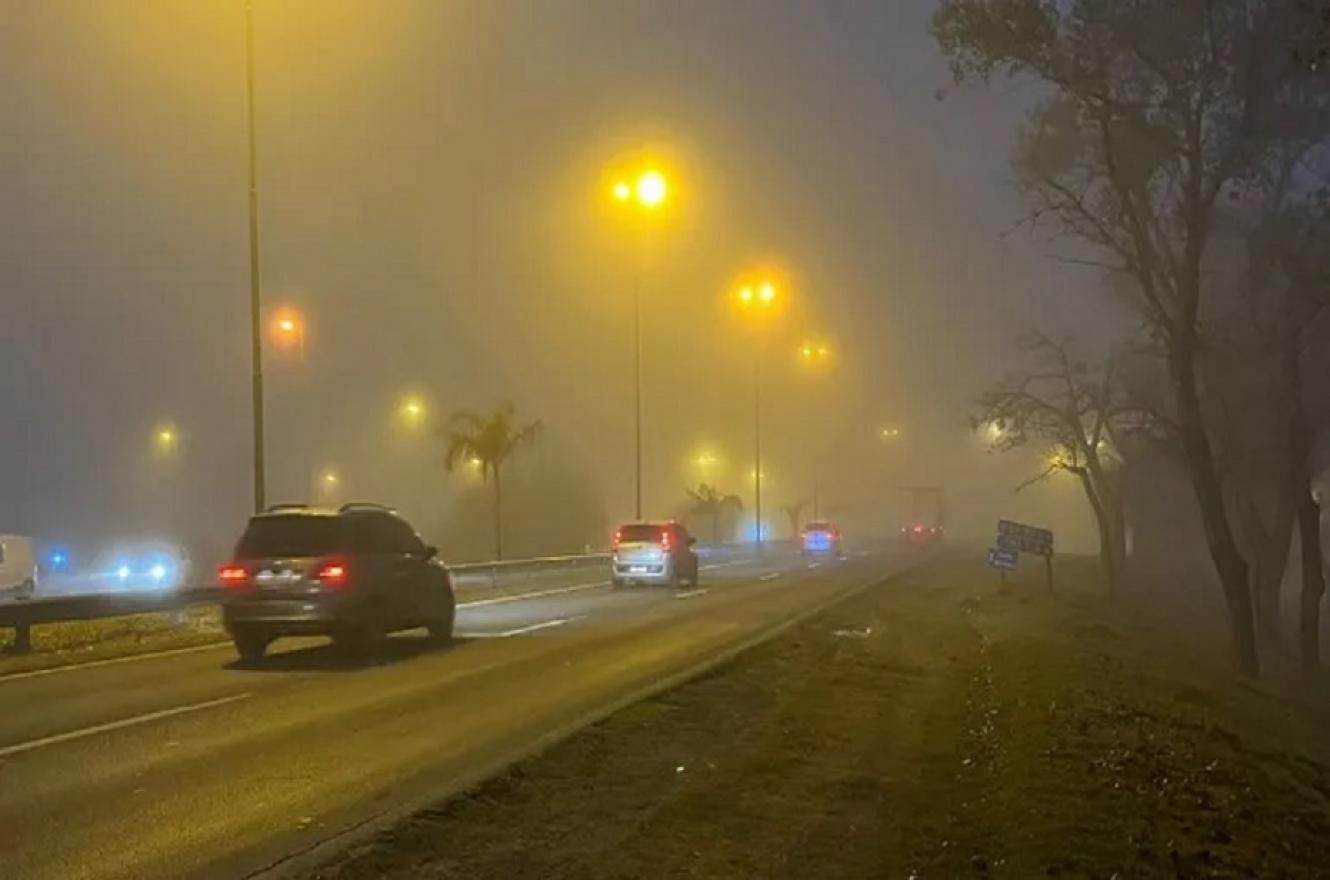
(930,727)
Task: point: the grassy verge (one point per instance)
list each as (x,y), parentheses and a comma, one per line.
(936,726)
(78,641)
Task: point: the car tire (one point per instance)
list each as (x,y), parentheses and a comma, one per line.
(26,590)
(251,647)
(441,628)
(617,583)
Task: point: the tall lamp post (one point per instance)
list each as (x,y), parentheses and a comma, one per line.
(255,299)
(815,357)
(647,192)
(758,300)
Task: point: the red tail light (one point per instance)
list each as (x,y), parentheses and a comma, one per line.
(233,576)
(665,540)
(333,573)
(616,541)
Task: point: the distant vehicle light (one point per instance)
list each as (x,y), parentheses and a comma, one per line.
(157,572)
(122,572)
(616,540)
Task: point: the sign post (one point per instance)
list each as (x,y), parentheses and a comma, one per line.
(1015,538)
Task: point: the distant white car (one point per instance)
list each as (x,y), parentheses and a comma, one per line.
(18,566)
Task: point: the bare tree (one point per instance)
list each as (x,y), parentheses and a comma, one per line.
(1153,113)
(1080,414)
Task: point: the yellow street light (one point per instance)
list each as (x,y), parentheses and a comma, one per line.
(288,329)
(814,353)
(651,189)
(165,439)
(412,410)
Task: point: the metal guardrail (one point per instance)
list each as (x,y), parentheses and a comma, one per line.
(23,614)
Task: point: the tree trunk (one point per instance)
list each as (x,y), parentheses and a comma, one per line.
(498,515)
(1313,581)
(1227,559)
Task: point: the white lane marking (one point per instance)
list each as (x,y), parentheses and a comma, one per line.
(114,661)
(30,745)
(521,630)
(726,564)
(518,597)
(770,577)
(691,593)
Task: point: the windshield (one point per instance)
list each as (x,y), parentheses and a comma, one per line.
(295,535)
(640,533)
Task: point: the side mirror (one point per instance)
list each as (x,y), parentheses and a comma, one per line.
(691,541)
(431,551)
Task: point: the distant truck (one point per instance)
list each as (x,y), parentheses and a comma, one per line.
(18,566)
(922,515)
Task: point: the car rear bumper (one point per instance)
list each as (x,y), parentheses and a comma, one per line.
(643,572)
(314,615)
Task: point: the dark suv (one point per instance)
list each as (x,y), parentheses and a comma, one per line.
(356,574)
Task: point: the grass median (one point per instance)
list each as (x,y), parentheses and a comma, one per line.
(939,725)
(77,641)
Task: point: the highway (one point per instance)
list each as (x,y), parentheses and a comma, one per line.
(184,765)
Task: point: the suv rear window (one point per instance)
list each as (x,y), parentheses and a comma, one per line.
(295,535)
(640,533)
(821,526)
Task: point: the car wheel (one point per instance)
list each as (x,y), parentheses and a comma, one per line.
(26,589)
(251,646)
(618,583)
(441,628)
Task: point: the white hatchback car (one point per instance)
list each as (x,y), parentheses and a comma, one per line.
(18,566)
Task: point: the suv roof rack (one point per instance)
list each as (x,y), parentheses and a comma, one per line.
(365,505)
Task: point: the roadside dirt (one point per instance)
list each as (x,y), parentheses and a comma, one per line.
(935,727)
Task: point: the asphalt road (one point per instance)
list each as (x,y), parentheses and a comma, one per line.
(182,765)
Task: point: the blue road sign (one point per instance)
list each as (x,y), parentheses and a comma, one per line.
(1003,559)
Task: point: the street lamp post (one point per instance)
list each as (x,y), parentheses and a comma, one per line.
(761,298)
(648,192)
(816,356)
(255,299)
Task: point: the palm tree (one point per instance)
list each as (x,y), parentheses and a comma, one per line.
(795,512)
(489,441)
(708,501)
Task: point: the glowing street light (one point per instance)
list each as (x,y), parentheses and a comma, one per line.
(288,330)
(412,411)
(647,191)
(757,299)
(166,439)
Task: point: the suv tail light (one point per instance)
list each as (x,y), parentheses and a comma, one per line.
(332,573)
(233,576)
(666,542)
(616,540)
